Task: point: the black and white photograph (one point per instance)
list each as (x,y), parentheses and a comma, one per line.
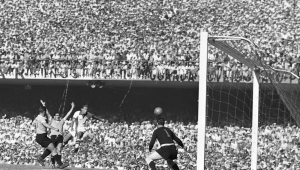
(150,85)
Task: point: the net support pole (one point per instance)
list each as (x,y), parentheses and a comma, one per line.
(202,101)
(255,112)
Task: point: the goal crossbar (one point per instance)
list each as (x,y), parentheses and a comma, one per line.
(223,46)
(204,41)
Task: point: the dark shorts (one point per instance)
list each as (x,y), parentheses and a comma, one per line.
(43,140)
(168,152)
(57,139)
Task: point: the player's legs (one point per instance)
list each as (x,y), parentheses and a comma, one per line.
(56,157)
(151,158)
(80,134)
(45,142)
(172,164)
(50,149)
(59,148)
(78,141)
(57,142)
(86,136)
(53,139)
(67,138)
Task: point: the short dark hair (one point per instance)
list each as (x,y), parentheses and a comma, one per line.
(84,105)
(161,121)
(42,109)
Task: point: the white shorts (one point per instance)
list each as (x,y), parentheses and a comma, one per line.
(72,132)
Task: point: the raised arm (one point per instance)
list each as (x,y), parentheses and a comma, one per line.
(68,114)
(97,118)
(47,112)
(49,116)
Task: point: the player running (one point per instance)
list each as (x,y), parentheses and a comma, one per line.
(167,150)
(78,129)
(57,136)
(43,140)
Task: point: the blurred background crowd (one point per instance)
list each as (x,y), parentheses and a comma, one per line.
(129,39)
(129,126)
(108,145)
(124,146)
(126,39)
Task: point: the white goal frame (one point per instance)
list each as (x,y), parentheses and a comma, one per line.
(202,105)
(255,66)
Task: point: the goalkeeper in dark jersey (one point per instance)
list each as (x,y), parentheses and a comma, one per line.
(167,148)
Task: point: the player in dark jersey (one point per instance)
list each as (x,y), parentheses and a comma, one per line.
(167,148)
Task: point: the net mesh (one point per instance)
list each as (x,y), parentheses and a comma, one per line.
(279,99)
(230,101)
(230,104)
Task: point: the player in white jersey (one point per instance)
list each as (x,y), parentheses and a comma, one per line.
(78,126)
(42,139)
(57,136)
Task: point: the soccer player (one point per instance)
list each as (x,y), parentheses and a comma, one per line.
(79,118)
(42,139)
(57,136)
(167,148)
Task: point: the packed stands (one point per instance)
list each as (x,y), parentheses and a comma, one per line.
(132,40)
(125,39)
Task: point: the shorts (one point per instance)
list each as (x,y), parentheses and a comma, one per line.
(43,140)
(168,152)
(72,132)
(57,139)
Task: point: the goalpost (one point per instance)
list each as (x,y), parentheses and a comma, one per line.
(202,106)
(288,101)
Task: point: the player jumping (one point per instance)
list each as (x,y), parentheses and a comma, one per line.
(57,136)
(167,150)
(43,140)
(78,129)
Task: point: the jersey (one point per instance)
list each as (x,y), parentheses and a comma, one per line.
(58,125)
(81,119)
(164,136)
(40,128)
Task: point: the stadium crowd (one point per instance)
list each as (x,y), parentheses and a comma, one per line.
(114,38)
(122,146)
(108,145)
(129,39)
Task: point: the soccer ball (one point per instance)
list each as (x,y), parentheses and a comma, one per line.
(158,111)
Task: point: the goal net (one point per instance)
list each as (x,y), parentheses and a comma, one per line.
(229,113)
(279,97)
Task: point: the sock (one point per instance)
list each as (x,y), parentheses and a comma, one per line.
(46,153)
(52,160)
(175,167)
(152,165)
(57,159)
